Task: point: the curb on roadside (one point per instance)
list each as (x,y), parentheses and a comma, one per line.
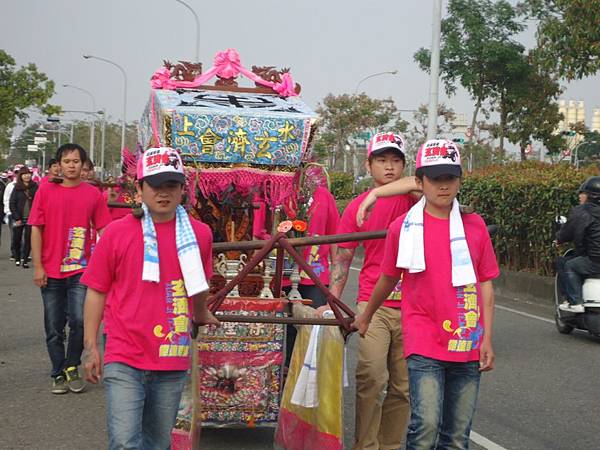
(524,286)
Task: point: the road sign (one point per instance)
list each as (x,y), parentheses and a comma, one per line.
(364,135)
(32,148)
(38,140)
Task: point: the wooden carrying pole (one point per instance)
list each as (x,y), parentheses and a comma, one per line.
(220,247)
(343,314)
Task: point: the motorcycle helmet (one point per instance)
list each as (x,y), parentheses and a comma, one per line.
(591,187)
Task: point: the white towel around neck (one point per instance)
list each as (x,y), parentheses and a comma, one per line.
(411,250)
(188,252)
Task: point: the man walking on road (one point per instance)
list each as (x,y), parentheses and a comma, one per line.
(62,217)
(381,413)
(149,278)
(446,262)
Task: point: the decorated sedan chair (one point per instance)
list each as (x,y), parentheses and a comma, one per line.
(243,149)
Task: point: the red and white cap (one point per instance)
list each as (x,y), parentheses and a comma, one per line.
(386,141)
(438,157)
(160,164)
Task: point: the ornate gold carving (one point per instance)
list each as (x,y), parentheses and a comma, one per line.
(167,130)
(184,70)
(226,82)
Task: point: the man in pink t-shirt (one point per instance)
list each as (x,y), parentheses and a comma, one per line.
(119,194)
(446,267)
(53,171)
(380,424)
(63,217)
(149,278)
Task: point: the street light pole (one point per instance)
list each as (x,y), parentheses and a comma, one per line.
(432,111)
(93,123)
(197,28)
(124,92)
(388,72)
(102,144)
(576,151)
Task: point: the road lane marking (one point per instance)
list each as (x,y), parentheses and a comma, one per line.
(524,314)
(355,268)
(484,442)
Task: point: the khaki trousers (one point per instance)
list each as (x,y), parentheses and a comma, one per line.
(381,414)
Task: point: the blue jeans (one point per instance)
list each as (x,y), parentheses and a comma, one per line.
(442,400)
(63,302)
(141,406)
(572,272)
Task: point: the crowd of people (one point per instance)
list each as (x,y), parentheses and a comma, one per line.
(18,187)
(425,298)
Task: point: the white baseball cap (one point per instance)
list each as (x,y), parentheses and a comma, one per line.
(386,141)
(438,157)
(160,164)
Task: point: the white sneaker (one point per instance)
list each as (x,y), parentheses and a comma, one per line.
(568,307)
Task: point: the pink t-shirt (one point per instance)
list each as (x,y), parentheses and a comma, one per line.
(69,217)
(323,220)
(147,323)
(259,219)
(123,197)
(385,211)
(438,320)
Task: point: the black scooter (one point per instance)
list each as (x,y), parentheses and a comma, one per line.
(588,320)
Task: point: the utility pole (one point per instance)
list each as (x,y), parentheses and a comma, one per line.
(434,79)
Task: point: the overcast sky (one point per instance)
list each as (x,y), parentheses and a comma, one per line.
(329,44)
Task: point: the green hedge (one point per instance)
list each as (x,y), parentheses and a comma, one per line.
(341,185)
(523,199)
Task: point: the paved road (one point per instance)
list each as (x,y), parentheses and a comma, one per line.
(543,394)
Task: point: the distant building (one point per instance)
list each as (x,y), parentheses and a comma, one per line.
(573,111)
(596,120)
(460,124)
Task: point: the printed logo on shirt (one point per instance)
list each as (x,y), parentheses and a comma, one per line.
(75,255)
(396,293)
(466,335)
(176,338)
(314,261)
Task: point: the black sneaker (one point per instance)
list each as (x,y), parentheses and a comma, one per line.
(74,381)
(24,264)
(59,385)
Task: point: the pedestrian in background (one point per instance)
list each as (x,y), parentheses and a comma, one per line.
(87,171)
(6,207)
(53,171)
(61,217)
(20,204)
(3,182)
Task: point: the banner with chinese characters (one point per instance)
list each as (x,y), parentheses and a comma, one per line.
(236,374)
(244,139)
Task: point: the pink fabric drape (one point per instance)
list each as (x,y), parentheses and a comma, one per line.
(227,64)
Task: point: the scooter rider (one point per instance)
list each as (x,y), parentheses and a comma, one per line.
(583,229)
